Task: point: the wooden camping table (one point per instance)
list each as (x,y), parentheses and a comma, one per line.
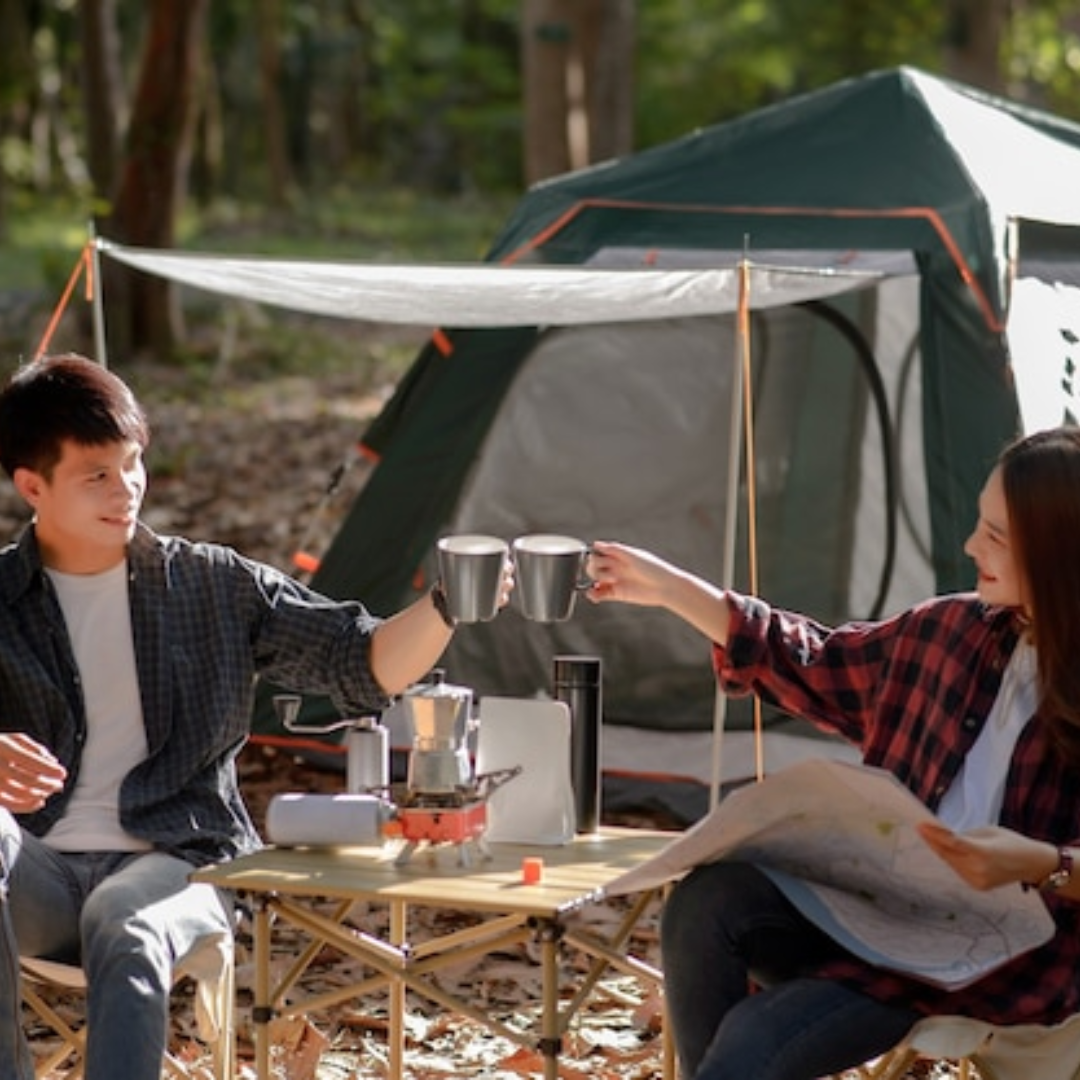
(284,882)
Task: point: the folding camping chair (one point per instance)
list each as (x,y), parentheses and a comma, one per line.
(210,964)
(1020,1052)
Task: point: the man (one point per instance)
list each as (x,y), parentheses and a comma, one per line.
(127,664)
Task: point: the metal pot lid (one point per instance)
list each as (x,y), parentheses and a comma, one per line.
(438,688)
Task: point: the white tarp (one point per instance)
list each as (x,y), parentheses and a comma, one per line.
(486,295)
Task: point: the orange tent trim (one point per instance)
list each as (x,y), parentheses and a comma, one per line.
(931,216)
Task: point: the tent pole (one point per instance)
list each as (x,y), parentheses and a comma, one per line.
(96,299)
(731,514)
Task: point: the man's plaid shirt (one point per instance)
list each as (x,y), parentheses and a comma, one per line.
(913,692)
(206,622)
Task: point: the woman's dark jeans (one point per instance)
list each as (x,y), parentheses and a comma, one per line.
(726,926)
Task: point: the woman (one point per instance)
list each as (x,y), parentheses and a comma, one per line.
(973,701)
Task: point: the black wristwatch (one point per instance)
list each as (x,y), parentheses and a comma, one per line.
(439,603)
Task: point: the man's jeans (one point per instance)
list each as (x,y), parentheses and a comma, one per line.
(126,917)
(725,925)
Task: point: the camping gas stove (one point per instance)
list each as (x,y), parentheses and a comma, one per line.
(443,802)
(426,819)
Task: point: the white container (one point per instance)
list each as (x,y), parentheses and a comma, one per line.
(296,819)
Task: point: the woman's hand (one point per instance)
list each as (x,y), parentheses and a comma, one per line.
(628,574)
(633,576)
(991,856)
(29,774)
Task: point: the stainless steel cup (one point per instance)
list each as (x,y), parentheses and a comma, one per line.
(549,574)
(471,567)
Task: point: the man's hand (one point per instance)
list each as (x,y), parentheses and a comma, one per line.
(29,774)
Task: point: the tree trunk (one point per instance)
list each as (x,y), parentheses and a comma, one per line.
(609,37)
(975,29)
(577,65)
(152,181)
(277,157)
(104,104)
(546,29)
(208,140)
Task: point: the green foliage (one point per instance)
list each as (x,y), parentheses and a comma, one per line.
(365,223)
(1043,58)
(698,67)
(43,242)
(449,97)
(426,96)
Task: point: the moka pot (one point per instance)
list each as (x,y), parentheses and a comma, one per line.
(439,716)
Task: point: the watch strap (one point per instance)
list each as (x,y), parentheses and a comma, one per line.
(440,603)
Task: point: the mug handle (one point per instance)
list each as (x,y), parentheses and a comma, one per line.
(584,583)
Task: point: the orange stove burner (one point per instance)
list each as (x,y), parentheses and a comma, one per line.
(462,826)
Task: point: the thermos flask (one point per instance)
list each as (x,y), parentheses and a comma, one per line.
(577,681)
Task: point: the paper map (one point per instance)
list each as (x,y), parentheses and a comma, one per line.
(840,840)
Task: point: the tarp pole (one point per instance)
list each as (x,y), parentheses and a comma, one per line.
(731,511)
(96,299)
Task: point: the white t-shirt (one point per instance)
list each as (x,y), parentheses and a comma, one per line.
(976,794)
(98,618)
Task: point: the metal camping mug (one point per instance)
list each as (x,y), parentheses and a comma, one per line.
(471,567)
(549,572)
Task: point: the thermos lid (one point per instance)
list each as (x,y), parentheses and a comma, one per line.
(577,670)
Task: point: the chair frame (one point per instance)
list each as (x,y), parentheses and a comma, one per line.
(895,1064)
(39,975)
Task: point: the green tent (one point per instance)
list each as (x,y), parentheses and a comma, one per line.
(894,166)
(885,226)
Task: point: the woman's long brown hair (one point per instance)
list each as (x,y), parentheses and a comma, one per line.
(1040,475)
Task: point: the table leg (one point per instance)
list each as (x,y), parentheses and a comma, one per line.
(262,1010)
(668,1063)
(549,933)
(399,915)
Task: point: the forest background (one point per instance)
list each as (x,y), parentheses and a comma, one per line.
(377,129)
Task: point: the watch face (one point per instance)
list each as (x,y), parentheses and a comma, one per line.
(1060,877)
